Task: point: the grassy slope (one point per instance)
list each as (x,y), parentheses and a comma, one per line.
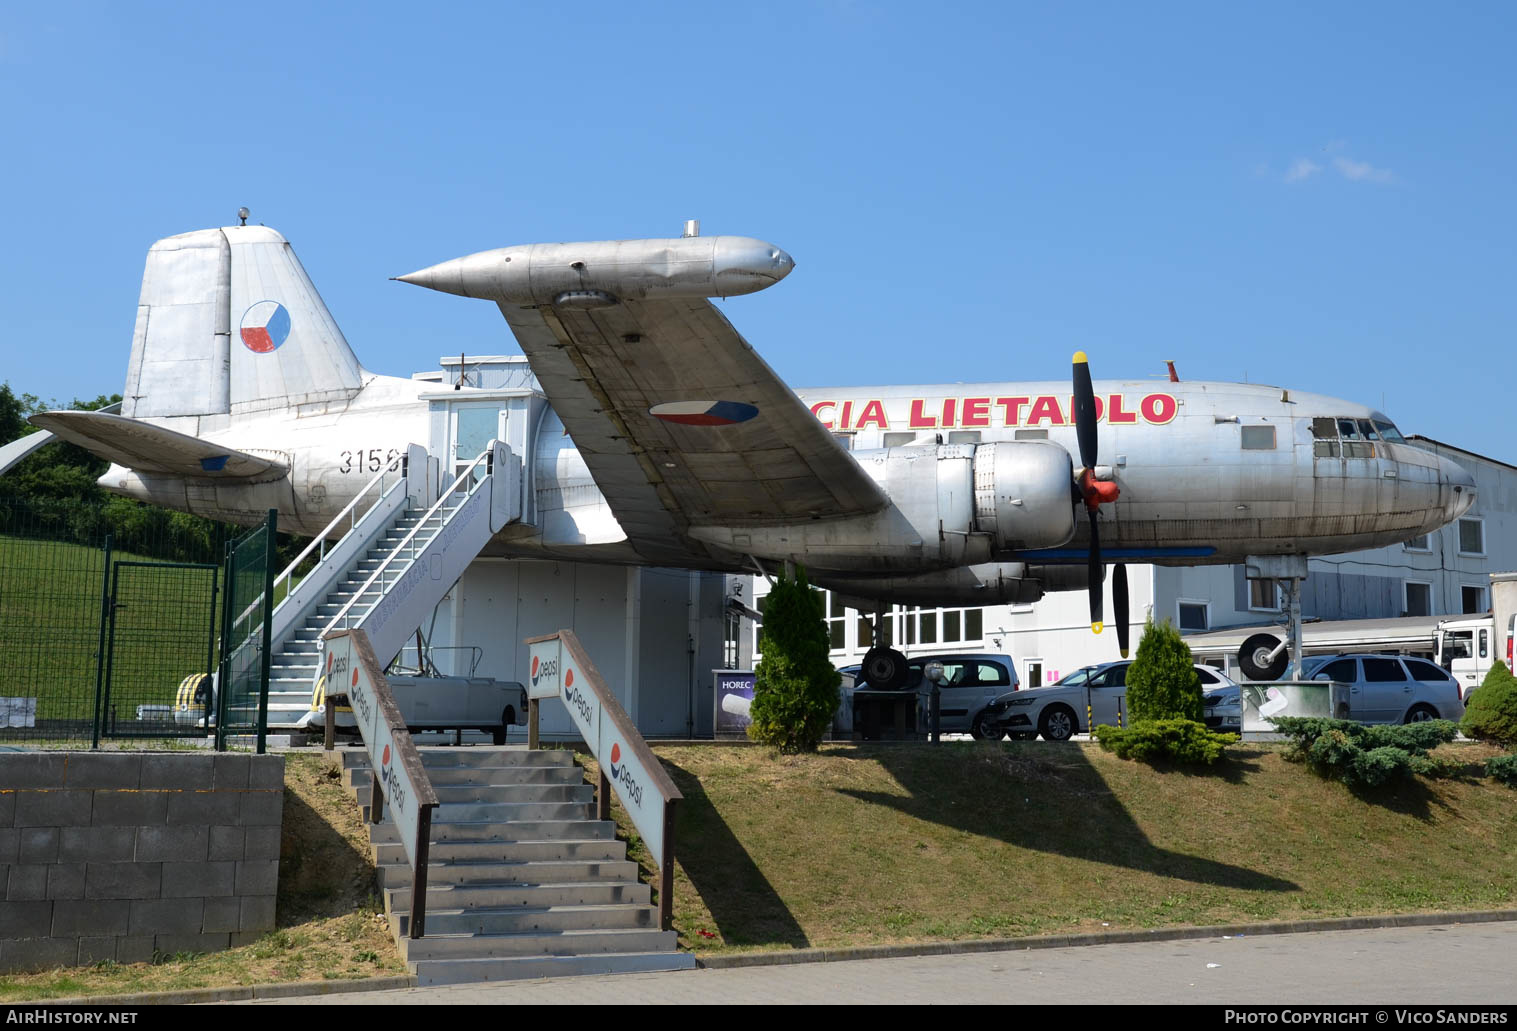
(873,844)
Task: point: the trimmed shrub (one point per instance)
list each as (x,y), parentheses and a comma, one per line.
(1362,756)
(1180,741)
(1504,769)
(1491,711)
(1162,683)
(795,691)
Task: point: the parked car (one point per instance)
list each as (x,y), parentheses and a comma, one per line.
(1058,712)
(1390,688)
(971,681)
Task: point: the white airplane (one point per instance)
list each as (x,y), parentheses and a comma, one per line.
(670,442)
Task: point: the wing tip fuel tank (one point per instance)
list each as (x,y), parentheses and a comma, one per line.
(702,266)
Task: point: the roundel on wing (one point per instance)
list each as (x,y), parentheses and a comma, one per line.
(265,326)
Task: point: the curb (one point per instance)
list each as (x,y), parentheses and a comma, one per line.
(191,996)
(1064,941)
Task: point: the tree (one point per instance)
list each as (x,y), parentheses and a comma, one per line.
(1162,683)
(1491,710)
(795,691)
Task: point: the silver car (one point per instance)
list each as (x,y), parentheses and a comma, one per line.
(1390,688)
(1098,694)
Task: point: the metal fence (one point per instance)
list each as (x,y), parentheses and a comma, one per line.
(98,641)
(243,703)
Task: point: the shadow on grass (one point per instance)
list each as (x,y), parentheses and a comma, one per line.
(1042,799)
(321,873)
(744,905)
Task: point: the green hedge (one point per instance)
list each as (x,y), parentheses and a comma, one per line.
(1362,756)
(1181,741)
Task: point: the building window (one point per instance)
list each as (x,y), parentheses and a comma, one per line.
(1194,615)
(1258,438)
(1473,599)
(837,625)
(1419,598)
(1418,544)
(1471,537)
(1264,595)
(732,626)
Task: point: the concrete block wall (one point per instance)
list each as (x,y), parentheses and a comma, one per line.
(118,855)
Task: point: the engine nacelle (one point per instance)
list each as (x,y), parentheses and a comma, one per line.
(1022,494)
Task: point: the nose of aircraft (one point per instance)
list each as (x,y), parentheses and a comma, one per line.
(1458,489)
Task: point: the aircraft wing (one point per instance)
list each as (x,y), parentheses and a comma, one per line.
(681,422)
(143,447)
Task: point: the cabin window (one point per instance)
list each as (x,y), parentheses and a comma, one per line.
(899,439)
(1258,438)
(1419,598)
(1471,537)
(1030,435)
(964,437)
(1383,671)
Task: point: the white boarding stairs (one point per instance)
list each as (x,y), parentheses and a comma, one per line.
(389,571)
(522,880)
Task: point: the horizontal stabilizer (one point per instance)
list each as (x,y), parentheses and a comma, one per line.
(146,448)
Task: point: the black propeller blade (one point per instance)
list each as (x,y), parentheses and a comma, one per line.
(1085,428)
(1119,605)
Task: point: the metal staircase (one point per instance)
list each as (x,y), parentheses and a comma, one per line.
(388,571)
(522,880)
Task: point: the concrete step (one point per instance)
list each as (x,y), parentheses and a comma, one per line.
(572,942)
(470,813)
(483,777)
(454,794)
(509,896)
(454,757)
(538,872)
(525,830)
(517,968)
(604,849)
(522,919)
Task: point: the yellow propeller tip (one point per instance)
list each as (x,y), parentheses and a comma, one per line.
(1080,358)
(1123,651)
(1095,628)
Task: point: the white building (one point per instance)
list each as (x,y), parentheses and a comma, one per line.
(1445,573)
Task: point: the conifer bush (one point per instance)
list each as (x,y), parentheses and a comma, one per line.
(1491,710)
(1162,682)
(795,691)
(1363,756)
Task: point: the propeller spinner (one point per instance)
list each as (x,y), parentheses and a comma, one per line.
(1095,493)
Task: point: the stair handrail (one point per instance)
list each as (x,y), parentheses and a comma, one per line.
(560,665)
(402,775)
(321,538)
(442,498)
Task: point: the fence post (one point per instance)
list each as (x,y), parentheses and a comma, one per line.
(228,601)
(105,608)
(268,624)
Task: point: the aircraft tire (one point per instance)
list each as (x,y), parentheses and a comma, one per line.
(884,669)
(1253,658)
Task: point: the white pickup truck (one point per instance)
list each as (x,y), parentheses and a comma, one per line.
(1467,645)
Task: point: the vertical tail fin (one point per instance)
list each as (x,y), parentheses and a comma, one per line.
(229,323)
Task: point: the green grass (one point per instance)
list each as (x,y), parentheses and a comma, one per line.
(879,844)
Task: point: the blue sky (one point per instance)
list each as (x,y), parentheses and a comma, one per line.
(1315,195)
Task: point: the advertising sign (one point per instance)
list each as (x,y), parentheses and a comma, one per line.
(543,666)
(345,672)
(734,697)
(629,779)
(1290,698)
(580,699)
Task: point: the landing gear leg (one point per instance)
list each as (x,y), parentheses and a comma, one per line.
(884,667)
(1263,656)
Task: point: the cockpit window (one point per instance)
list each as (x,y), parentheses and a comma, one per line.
(1389,432)
(1325,429)
(1349,430)
(1367,431)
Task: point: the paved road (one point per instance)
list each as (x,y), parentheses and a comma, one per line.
(1465,965)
